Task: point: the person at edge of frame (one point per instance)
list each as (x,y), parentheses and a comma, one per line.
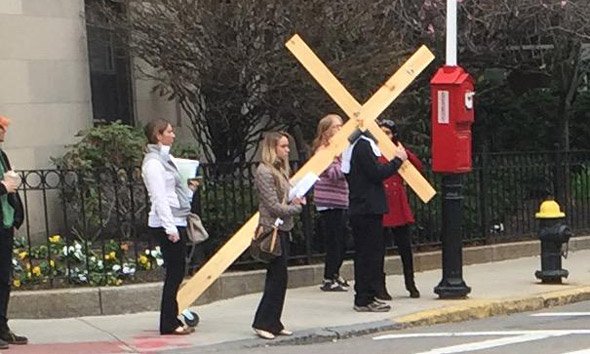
(170,206)
(12,213)
(367,204)
(272,184)
(398,220)
(331,202)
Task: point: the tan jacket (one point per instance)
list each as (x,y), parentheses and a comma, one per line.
(269,205)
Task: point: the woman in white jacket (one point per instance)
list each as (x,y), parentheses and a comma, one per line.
(170,205)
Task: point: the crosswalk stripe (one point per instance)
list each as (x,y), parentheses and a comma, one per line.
(560,314)
(487,344)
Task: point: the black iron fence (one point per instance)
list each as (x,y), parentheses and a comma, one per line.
(89,227)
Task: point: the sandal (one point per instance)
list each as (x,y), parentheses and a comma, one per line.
(263,334)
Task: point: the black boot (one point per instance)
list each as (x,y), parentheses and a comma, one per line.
(382,293)
(411,287)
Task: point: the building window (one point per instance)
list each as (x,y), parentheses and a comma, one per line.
(110,74)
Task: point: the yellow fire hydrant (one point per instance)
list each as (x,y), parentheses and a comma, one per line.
(553,233)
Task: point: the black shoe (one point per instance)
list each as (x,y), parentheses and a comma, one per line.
(384,296)
(414,293)
(10,338)
(3,344)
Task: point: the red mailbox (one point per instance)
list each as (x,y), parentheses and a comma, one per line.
(452,91)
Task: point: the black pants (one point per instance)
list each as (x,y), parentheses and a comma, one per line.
(367,231)
(403,241)
(270,309)
(6,245)
(333,224)
(174,261)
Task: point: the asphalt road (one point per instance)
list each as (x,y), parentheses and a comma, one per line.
(563,329)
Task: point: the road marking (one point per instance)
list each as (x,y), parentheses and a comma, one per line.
(557,314)
(583,351)
(558,332)
(487,344)
(511,337)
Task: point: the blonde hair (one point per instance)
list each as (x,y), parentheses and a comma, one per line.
(323,126)
(278,166)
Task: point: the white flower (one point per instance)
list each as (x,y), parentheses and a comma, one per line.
(93,259)
(159,262)
(147,252)
(99,263)
(116,268)
(65,250)
(154,253)
(14,262)
(157,249)
(78,246)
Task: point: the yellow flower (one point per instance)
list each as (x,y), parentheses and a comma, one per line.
(28,274)
(37,271)
(142,259)
(16,283)
(28,266)
(113,254)
(55,239)
(23,255)
(51,263)
(107,257)
(119,282)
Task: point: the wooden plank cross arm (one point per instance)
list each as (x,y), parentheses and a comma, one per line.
(362,117)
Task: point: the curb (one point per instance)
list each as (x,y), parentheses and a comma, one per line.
(477,309)
(467,310)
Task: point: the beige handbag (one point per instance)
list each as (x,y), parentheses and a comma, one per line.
(195,230)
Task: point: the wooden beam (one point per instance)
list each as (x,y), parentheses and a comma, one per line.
(365,115)
(237,244)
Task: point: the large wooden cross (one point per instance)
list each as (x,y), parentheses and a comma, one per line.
(361,117)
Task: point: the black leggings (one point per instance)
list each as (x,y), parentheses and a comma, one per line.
(333,224)
(174,254)
(403,241)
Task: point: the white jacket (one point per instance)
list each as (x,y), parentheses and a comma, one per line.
(161,185)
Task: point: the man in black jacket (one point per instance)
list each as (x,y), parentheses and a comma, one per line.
(367,205)
(11,218)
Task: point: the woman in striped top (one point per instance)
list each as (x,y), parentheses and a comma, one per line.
(331,201)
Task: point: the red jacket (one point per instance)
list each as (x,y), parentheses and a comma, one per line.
(400,212)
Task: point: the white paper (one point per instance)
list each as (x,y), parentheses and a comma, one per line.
(187,168)
(303,185)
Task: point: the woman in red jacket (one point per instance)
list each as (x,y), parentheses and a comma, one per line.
(399,218)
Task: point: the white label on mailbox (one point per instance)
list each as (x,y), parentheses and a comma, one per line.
(443,107)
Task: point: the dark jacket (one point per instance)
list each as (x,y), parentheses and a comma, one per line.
(365,180)
(13,198)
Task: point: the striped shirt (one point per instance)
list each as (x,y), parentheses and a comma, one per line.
(331,191)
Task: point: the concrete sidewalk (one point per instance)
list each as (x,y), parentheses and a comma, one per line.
(497,288)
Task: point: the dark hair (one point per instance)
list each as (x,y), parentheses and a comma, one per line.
(155,127)
(389,124)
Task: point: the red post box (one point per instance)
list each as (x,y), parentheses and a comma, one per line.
(452,91)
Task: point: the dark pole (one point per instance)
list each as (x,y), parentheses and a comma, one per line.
(452,285)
